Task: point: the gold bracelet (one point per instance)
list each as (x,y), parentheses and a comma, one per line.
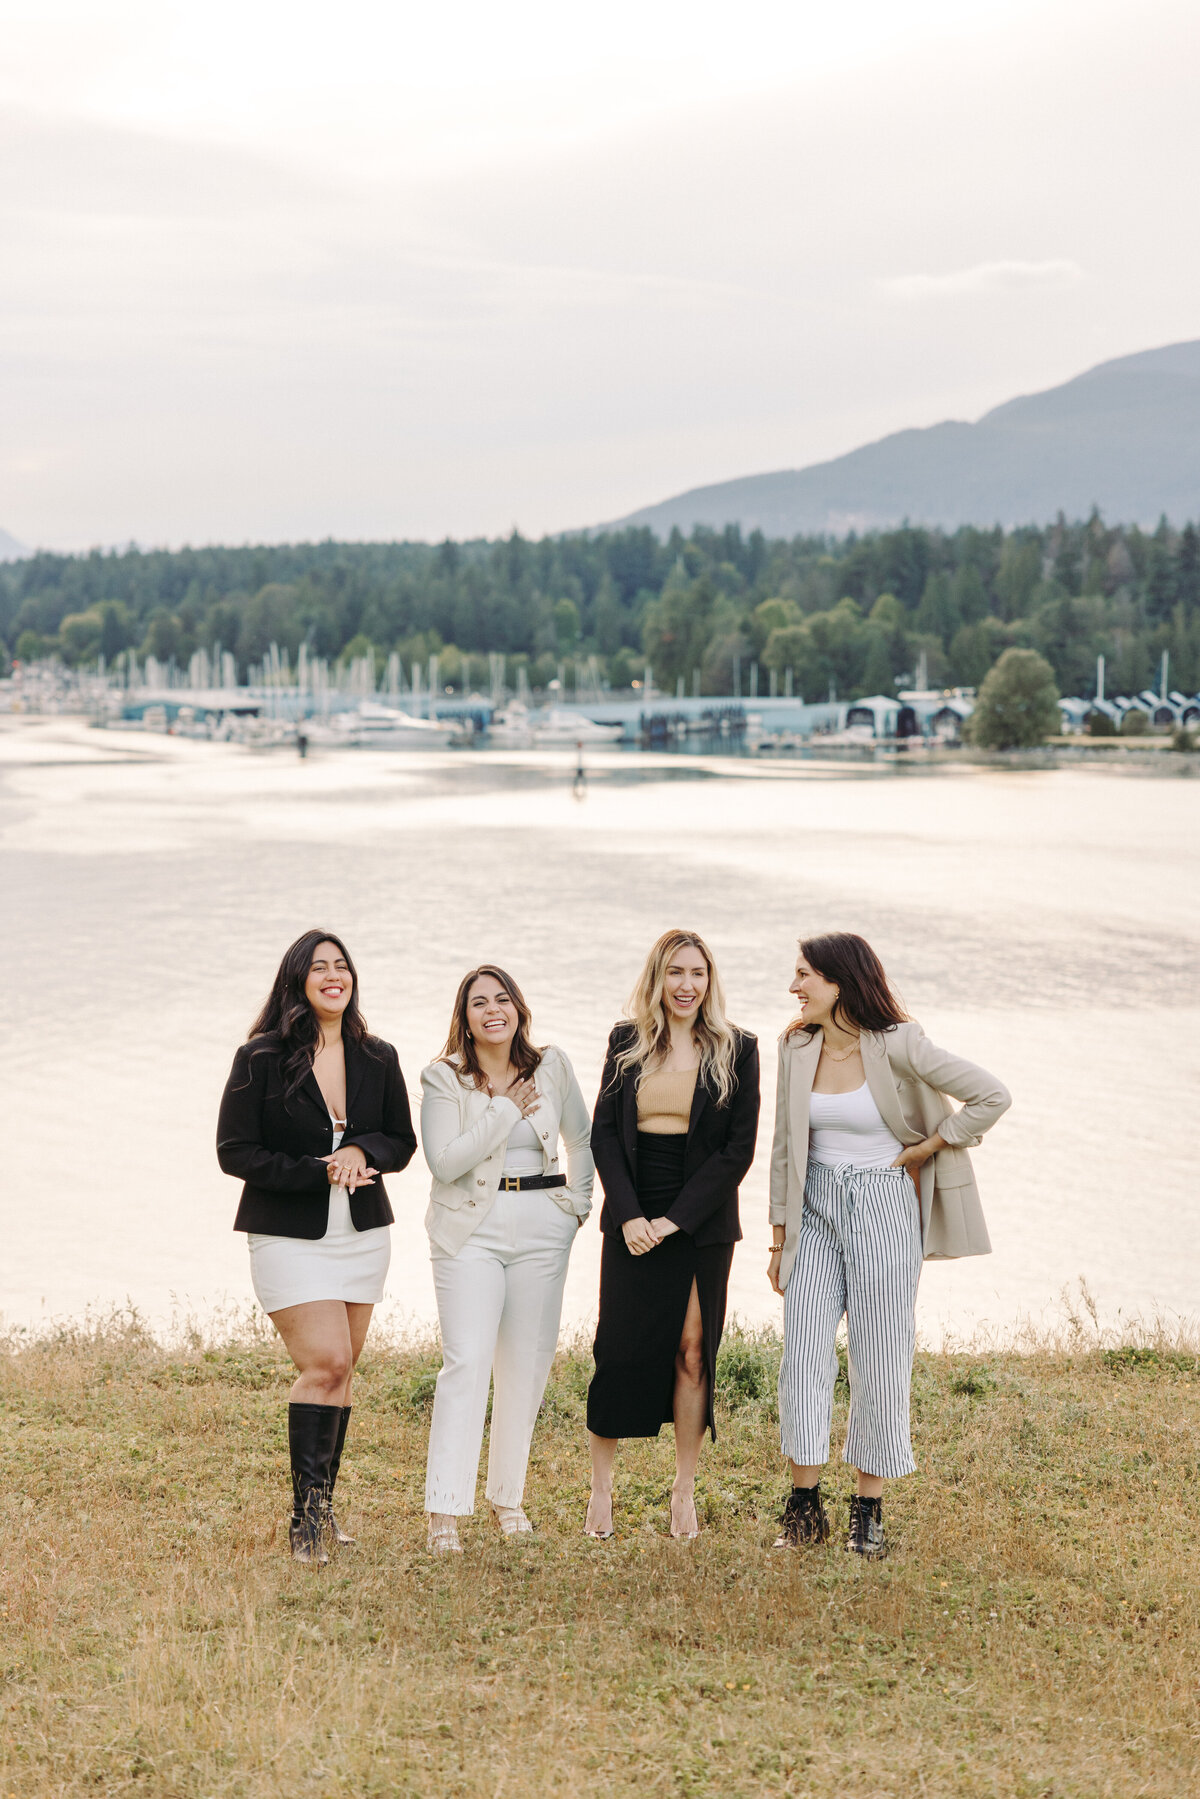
(776,1249)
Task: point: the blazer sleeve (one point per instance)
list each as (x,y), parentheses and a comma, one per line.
(984,1098)
(575,1128)
(450,1151)
(779,1143)
(394,1144)
(709,1188)
(608,1150)
(240,1148)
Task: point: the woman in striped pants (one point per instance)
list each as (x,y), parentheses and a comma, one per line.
(869,1177)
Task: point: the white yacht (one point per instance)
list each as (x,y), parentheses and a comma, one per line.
(518,727)
(378,727)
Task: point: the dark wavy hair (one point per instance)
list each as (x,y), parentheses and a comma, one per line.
(288,1021)
(460,1048)
(865,999)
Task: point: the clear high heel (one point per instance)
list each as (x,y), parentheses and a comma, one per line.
(597,1536)
(685,1536)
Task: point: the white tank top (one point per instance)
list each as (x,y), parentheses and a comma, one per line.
(523,1151)
(847,1127)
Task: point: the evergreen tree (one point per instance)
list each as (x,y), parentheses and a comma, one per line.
(1160,576)
(877,674)
(1187,569)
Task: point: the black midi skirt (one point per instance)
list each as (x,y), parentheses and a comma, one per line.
(643,1304)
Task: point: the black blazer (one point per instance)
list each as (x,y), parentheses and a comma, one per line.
(720,1147)
(273,1143)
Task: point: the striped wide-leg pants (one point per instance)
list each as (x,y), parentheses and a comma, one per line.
(858,1255)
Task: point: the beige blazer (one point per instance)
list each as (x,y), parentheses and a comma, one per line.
(909,1078)
(464,1133)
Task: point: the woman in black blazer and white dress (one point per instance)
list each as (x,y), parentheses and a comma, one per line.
(672,1137)
(314,1111)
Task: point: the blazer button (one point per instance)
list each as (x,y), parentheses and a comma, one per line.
(545,1136)
(481,1183)
(470,1202)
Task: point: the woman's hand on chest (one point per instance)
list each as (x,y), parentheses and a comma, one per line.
(523,1093)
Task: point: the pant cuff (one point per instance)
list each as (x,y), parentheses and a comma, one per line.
(449,1506)
(882,1467)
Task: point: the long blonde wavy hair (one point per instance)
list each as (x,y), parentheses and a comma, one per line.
(647,1011)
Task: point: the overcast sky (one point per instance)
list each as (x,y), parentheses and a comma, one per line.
(284,271)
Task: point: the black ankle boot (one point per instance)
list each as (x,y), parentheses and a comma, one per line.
(804,1518)
(335,1530)
(312,1438)
(866,1528)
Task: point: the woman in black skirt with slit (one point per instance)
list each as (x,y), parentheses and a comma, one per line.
(672,1137)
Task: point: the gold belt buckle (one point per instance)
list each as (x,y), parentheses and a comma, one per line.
(511,1183)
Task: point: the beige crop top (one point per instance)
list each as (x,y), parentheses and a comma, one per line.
(664,1102)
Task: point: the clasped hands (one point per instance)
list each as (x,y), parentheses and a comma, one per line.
(348,1167)
(644,1234)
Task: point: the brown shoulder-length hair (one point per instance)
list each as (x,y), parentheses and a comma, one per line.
(460,1050)
(865,1000)
(288,1022)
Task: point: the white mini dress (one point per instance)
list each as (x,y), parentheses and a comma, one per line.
(344,1264)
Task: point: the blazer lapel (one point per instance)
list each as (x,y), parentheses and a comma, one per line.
(700,1098)
(629,1116)
(355,1069)
(882,1084)
(311,1092)
(801,1072)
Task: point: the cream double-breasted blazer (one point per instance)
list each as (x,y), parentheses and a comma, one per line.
(909,1078)
(464,1132)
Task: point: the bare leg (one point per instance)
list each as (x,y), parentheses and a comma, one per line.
(358,1318)
(599,1513)
(868,1486)
(317,1337)
(691,1418)
(806,1477)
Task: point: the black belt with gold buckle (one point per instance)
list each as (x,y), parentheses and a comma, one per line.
(525,1183)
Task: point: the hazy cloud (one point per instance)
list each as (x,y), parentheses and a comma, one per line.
(985,278)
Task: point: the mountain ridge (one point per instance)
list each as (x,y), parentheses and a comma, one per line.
(1123,436)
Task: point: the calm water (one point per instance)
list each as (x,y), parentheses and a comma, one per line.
(1044,924)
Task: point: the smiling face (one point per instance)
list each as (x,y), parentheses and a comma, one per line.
(685,982)
(816,995)
(491,1015)
(329,983)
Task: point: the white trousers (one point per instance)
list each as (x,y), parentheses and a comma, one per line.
(858,1255)
(499,1303)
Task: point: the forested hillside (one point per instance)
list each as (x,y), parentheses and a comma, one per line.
(856,613)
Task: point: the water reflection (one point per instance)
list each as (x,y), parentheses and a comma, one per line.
(1044,924)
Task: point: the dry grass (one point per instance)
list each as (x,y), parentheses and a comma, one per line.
(1035,1632)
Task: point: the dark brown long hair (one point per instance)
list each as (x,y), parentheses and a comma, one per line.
(288,1021)
(460,1048)
(865,999)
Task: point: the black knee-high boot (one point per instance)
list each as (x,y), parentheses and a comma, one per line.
(312,1439)
(338,1534)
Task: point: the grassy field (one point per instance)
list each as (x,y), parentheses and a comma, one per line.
(1036,1630)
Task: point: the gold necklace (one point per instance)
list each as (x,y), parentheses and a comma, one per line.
(852,1051)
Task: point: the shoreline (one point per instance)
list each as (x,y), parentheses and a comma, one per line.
(58,731)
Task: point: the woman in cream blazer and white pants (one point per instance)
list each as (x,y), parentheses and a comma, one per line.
(869,1178)
(502,1219)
